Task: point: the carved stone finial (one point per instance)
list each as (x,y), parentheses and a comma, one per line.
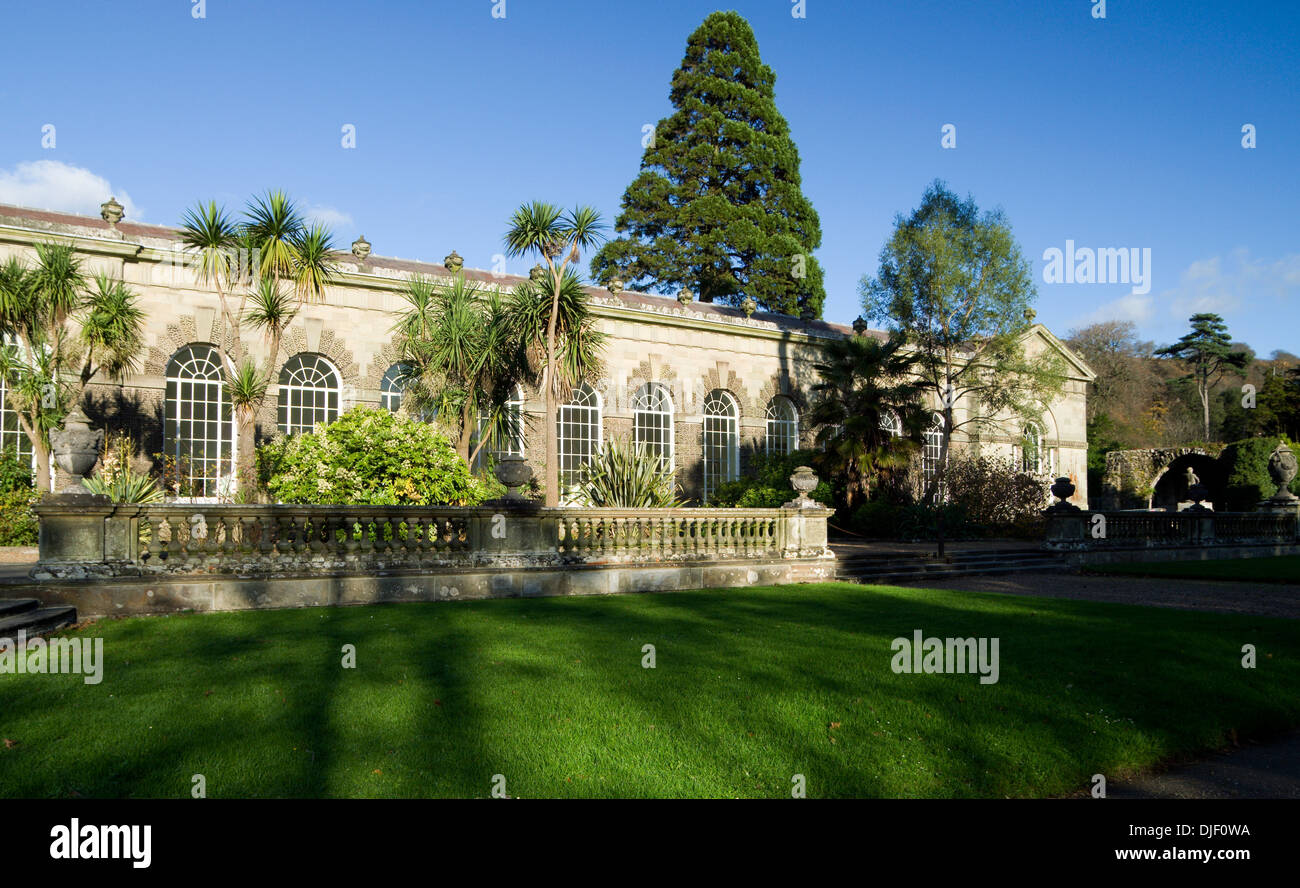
(749,306)
(616,286)
(453,262)
(860,325)
(112,212)
(361,248)
(685,297)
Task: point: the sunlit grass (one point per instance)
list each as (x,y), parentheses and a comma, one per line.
(750,687)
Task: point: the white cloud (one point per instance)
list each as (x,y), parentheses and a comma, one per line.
(53,185)
(1129,307)
(1223,284)
(327,216)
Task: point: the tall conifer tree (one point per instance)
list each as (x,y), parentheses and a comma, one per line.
(717,207)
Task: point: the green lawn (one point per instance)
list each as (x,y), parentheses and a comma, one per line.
(751,687)
(1281,569)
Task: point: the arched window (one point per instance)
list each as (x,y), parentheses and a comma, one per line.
(309,394)
(891,423)
(782,426)
(1031,449)
(12,436)
(198,429)
(652,423)
(932,452)
(392,386)
(721,440)
(579,431)
(511,444)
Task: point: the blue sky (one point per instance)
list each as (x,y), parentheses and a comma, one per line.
(1123,132)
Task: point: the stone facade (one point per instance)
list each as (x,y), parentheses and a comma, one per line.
(692,350)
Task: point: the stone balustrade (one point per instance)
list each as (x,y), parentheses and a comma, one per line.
(1083,531)
(81,539)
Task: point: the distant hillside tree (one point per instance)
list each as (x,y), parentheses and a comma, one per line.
(1209,353)
(718,206)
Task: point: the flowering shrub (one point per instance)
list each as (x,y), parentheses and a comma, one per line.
(18,525)
(766,484)
(369,456)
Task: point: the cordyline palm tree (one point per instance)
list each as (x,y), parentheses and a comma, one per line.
(559,238)
(458,342)
(275,262)
(867,387)
(47,367)
(544,310)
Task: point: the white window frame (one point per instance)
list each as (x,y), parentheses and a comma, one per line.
(932,453)
(322,412)
(653,425)
(782,428)
(721,422)
(515,446)
(392,387)
(585,411)
(214,485)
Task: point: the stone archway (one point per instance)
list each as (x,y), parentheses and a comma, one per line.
(1131,476)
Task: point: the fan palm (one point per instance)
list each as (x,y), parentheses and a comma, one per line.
(866,388)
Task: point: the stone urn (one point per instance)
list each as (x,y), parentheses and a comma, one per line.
(803,481)
(453,262)
(859,325)
(1282,469)
(616,286)
(749,306)
(361,248)
(1062,488)
(514,472)
(685,297)
(76,448)
(111,211)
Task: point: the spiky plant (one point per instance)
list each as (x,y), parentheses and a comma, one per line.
(626,476)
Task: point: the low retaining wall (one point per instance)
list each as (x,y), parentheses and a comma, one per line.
(163,595)
(1122,555)
(107,559)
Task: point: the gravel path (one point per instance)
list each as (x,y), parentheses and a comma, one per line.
(1262,599)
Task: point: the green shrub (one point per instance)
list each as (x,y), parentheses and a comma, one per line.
(369,456)
(1244,468)
(883,519)
(767,483)
(18,524)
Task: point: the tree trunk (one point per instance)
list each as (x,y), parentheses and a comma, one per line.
(552,445)
(466,432)
(246,452)
(42,467)
(1205,403)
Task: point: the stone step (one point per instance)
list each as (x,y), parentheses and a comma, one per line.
(940,569)
(37,621)
(971,558)
(944,562)
(11,606)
